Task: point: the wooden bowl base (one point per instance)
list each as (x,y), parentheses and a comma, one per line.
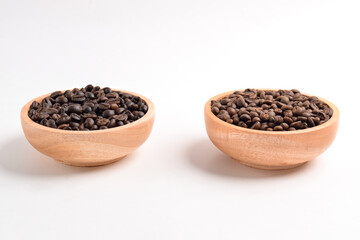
(269,167)
(90,164)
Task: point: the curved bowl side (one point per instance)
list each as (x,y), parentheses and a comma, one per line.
(274,150)
(88,148)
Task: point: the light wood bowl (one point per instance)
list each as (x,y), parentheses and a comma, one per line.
(88,148)
(270,149)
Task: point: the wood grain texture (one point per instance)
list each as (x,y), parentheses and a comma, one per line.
(270,150)
(88,148)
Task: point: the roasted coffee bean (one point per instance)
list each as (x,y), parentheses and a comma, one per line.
(56,94)
(231,111)
(74,125)
(61,99)
(114,106)
(78,98)
(111,123)
(51,123)
(102,122)
(104,106)
(51,111)
(86,109)
(278,128)
(93,108)
(281,110)
(74,108)
(75,116)
(90,115)
(89,122)
(245,117)
(215,110)
(64,126)
(108,113)
(256,125)
(90,95)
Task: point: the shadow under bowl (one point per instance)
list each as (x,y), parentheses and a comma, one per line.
(88,148)
(270,149)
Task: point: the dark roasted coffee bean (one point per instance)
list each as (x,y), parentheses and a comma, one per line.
(75,116)
(86,109)
(63,120)
(285,126)
(78,98)
(114,106)
(301,118)
(245,117)
(103,127)
(256,125)
(215,110)
(297,125)
(278,128)
(64,126)
(102,122)
(56,94)
(90,95)
(51,123)
(240,102)
(104,106)
(288,120)
(51,111)
(74,125)
(89,122)
(264,117)
(74,108)
(231,111)
(90,115)
(111,123)
(278,120)
(108,113)
(61,99)
(310,122)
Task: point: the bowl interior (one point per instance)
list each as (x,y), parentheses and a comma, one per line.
(148,115)
(208,112)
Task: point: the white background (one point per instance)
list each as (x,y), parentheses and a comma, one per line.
(179,54)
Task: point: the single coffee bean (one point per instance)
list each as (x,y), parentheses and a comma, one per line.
(231,111)
(75,116)
(61,99)
(256,125)
(278,128)
(51,123)
(111,123)
(89,122)
(215,110)
(56,94)
(102,122)
(74,108)
(104,106)
(63,120)
(108,113)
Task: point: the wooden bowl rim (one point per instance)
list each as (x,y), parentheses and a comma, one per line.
(333,119)
(147,116)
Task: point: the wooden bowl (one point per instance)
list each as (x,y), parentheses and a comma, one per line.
(270,149)
(88,148)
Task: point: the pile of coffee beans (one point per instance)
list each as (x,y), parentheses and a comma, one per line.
(89,108)
(272,110)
